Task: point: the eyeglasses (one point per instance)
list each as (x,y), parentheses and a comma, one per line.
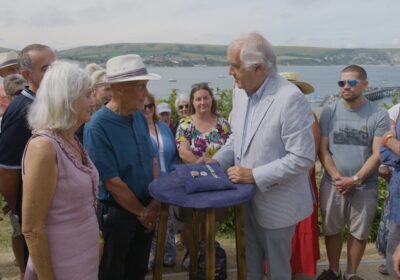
(149,106)
(352,83)
(180,107)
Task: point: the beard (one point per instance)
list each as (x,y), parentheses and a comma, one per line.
(351,96)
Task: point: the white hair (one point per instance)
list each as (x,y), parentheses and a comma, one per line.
(182,97)
(255,50)
(61,86)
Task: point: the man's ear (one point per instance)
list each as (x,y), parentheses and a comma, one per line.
(26,74)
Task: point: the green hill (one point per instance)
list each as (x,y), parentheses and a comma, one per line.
(156,54)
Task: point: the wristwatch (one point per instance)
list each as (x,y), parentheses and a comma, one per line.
(356,180)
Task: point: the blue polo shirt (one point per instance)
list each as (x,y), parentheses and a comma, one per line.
(120,146)
(15,131)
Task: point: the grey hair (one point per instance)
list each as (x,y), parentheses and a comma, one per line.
(12,83)
(24,60)
(182,97)
(61,86)
(255,50)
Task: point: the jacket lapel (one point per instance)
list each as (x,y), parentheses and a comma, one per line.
(240,114)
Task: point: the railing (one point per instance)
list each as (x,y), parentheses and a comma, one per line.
(379,93)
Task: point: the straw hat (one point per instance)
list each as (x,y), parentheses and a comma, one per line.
(294,77)
(127,68)
(8,59)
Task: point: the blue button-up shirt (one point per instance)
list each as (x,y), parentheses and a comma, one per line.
(120,146)
(254,100)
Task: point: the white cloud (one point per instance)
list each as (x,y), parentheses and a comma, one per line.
(329,23)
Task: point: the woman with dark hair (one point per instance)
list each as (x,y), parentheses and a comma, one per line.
(163,143)
(202,133)
(199,135)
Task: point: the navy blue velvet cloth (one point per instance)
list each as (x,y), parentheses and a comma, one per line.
(203,177)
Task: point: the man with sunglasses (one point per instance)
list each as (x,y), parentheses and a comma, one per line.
(352,131)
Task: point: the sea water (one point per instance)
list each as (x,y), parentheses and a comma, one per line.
(323,78)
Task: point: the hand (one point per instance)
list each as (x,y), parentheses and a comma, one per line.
(238,174)
(344,185)
(384,172)
(396,261)
(204,159)
(150,215)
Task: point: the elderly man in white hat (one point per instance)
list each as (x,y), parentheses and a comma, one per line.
(118,142)
(8,63)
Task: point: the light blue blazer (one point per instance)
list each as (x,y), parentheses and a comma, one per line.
(280,150)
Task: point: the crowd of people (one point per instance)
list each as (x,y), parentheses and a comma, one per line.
(80,147)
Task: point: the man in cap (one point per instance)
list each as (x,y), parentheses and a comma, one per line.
(352,130)
(33,62)
(118,141)
(272,147)
(164,113)
(8,64)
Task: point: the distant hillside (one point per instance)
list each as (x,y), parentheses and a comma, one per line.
(214,55)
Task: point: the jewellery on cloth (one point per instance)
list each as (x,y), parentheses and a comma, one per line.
(212,171)
(194,173)
(203,173)
(356,180)
(386,139)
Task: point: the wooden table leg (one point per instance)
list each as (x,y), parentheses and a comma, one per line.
(194,248)
(240,242)
(210,244)
(161,236)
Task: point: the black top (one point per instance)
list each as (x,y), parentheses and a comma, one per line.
(15,131)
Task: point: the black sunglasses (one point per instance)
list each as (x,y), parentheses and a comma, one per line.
(180,107)
(352,83)
(149,106)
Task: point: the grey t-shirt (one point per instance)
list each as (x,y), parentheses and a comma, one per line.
(351,133)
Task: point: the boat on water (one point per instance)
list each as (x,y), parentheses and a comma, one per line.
(221,76)
(172,80)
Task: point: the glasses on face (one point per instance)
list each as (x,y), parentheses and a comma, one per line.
(181,107)
(351,83)
(149,106)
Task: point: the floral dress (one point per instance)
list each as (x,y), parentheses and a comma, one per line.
(203,144)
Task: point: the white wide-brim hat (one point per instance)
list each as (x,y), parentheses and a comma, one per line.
(8,59)
(127,68)
(294,77)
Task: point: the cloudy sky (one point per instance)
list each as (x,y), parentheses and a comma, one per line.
(320,23)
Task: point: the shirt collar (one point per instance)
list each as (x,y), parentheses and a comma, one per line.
(28,93)
(257,95)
